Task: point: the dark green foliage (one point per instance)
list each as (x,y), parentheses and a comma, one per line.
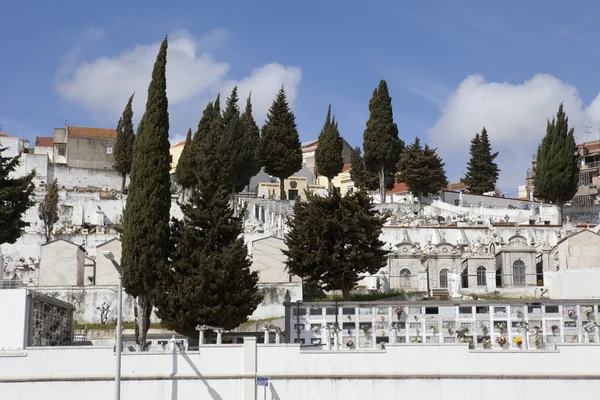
(421,169)
(381,144)
(328,155)
(363,178)
(48,209)
(252,136)
(123,151)
(186,166)
(280,144)
(333,240)
(209,281)
(15,199)
(312,290)
(146,217)
(482,171)
(556,173)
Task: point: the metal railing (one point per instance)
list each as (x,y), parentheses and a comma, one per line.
(11,284)
(591,165)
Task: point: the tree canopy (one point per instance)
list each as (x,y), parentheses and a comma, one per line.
(123,151)
(421,169)
(48,209)
(381,144)
(556,172)
(185,172)
(482,171)
(363,178)
(328,156)
(334,240)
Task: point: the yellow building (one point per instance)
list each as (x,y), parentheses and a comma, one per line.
(294,186)
(174,154)
(342,181)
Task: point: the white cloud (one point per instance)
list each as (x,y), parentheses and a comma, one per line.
(104,84)
(264,83)
(515,116)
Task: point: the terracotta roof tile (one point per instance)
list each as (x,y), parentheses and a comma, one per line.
(2,134)
(309,144)
(44,141)
(179,144)
(346,167)
(398,188)
(92,132)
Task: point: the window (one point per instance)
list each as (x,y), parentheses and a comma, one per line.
(405,281)
(481,276)
(62,149)
(444,278)
(108,149)
(519,273)
(171,158)
(350,189)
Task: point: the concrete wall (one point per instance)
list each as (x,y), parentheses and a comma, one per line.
(582,214)
(274,296)
(573,283)
(13,144)
(61,264)
(13,319)
(467,200)
(269,261)
(229,371)
(40,150)
(106,274)
(88,152)
(71,177)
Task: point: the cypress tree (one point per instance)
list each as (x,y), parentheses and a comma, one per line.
(556,173)
(48,209)
(280,144)
(123,151)
(15,198)
(252,136)
(421,169)
(363,178)
(482,171)
(334,240)
(146,218)
(185,171)
(381,144)
(209,281)
(328,155)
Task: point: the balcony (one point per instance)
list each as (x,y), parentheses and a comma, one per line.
(587,190)
(590,165)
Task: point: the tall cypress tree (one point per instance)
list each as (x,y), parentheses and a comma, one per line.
(48,209)
(381,144)
(15,198)
(186,171)
(328,155)
(556,173)
(363,178)
(482,171)
(209,281)
(146,218)
(421,169)
(252,136)
(280,144)
(123,151)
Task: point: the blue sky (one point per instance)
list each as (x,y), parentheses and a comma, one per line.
(451,66)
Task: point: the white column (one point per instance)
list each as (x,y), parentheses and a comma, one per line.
(394,335)
(277,337)
(490,280)
(219,336)
(250,369)
(373,337)
(201,338)
(328,339)
(267,336)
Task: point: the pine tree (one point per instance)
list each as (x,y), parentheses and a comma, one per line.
(146,218)
(209,281)
(328,155)
(186,171)
(48,209)
(381,144)
(556,173)
(280,144)
(421,169)
(15,199)
(363,178)
(482,171)
(123,151)
(334,240)
(252,135)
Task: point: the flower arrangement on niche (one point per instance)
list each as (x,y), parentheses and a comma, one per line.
(501,326)
(485,343)
(416,340)
(399,311)
(537,337)
(519,314)
(316,329)
(570,313)
(433,327)
(350,344)
(366,329)
(518,341)
(382,345)
(484,329)
(470,342)
(382,318)
(554,327)
(587,312)
(501,340)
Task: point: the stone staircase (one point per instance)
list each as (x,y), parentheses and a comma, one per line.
(440,294)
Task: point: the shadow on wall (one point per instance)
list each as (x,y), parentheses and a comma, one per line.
(274,394)
(175,381)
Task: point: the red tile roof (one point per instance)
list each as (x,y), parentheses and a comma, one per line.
(457,186)
(398,188)
(311,144)
(2,134)
(179,144)
(44,141)
(346,167)
(92,132)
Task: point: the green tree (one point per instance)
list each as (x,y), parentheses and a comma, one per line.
(363,178)
(482,171)
(556,172)
(421,169)
(186,171)
(252,136)
(146,218)
(328,155)
(48,209)
(15,198)
(123,151)
(334,240)
(381,144)
(209,281)
(280,144)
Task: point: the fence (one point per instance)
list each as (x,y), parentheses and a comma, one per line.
(11,284)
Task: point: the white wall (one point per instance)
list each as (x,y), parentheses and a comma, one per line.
(274,295)
(13,146)
(573,283)
(13,319)
(61,264)
(106,274)
(228,372)
(83,177)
